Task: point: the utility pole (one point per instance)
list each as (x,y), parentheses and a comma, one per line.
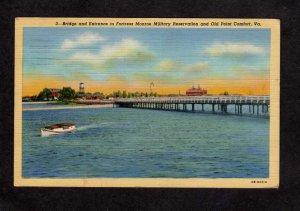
(151,84)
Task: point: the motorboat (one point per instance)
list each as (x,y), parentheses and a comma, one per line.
(58,129)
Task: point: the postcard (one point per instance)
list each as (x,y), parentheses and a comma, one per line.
(139,102)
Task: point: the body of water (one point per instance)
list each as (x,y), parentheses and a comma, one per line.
(122,143)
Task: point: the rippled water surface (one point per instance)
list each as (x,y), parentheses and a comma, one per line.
(120,142)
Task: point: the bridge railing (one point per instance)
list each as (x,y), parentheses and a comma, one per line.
(197,99)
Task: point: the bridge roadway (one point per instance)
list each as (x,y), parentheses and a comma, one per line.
(254,103)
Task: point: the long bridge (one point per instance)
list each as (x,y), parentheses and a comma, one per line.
(257,105)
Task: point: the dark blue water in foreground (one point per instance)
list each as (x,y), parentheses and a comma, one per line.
(124,142)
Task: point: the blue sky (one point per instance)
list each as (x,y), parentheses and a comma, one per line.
(133,57)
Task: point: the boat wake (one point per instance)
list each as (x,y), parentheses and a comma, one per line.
(86,127)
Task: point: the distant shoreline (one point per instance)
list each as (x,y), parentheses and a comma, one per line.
(43,102)
(68,107)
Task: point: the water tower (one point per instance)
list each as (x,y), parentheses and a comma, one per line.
(81,87)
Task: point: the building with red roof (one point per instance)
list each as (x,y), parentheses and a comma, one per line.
(196,91)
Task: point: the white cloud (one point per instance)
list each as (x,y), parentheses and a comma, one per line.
(128,50)
(234,49)
(121,49)
(168,64)
(85,39)
(197,67)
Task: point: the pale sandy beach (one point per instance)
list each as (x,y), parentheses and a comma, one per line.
(68,107)
(42,102)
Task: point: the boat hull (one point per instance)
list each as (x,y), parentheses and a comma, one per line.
(47,132)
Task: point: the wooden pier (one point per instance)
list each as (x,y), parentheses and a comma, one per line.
(255,105)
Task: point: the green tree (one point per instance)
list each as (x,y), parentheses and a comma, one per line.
(34,98)
(44,95)
(226,93)
(118,93)
(124,94)
(98,93)
(67,93)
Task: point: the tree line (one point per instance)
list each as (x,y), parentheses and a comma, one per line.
(125,94)
(67,93)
